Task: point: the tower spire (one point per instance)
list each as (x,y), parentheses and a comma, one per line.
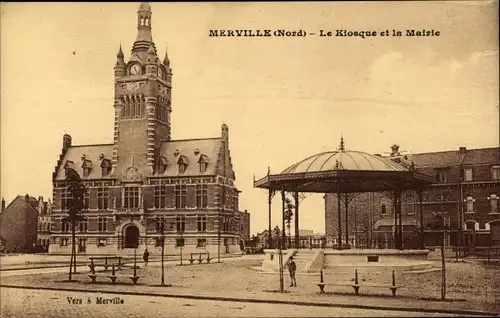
(144,36)
(120,55)
(166,60)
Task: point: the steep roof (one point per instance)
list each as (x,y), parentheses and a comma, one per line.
(190,150)
(485,155)
(32,203)
(437,159)
(92,153)
(455,157)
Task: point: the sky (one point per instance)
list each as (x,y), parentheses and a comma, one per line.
(284,99)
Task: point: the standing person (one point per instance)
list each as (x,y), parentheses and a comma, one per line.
(145,257)
(292,267)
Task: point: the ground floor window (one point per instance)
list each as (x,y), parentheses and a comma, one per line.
(202,243)
(158,242)
(179,242)
(101,242)
(64,241)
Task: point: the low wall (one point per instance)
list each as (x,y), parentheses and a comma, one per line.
(382,256)
(316,263)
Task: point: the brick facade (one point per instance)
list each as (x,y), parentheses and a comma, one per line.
(18,224)
(146,178)
(470,204)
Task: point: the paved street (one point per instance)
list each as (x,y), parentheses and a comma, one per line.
(42,303)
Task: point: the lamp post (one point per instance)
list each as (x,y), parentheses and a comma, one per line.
(162,232)
(181,234)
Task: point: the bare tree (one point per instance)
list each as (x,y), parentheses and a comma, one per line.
(75,205)
(289,212)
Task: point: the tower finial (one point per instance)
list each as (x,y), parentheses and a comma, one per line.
(166,60)
(120,55)
(145,6)
(341,147)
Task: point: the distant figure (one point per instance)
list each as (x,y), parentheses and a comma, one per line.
(145,257)
(292,267)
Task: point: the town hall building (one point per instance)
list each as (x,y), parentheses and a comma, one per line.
(145,180)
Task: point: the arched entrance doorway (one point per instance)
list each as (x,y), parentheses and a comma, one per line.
(131,237)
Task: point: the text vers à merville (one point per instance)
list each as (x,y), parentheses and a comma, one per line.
(322,33)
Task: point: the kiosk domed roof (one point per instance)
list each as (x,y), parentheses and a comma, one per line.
(344,160)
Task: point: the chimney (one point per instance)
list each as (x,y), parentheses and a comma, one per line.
(225,132)
(3,205)
(66,141)
(27,197)
(462,150)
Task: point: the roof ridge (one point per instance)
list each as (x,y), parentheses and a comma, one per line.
(93,145)
(192,139)
(451,151)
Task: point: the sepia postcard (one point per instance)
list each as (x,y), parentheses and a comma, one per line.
(250,159)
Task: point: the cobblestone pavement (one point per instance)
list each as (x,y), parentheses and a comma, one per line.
(234,279)
(42,303)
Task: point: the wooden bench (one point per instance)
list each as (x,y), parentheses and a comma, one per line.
(200,259)
(113,276)
(108,262)
(355,284)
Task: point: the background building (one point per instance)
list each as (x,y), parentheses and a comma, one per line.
(18,224)
(244,218)
(145,180)
(44,224)
(465,194)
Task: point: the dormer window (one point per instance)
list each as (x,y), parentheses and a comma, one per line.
(162,165)
(87,167)
(105,167)
(203,162)
(182,162)
(69,165)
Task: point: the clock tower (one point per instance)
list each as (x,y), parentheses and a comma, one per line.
(142,104)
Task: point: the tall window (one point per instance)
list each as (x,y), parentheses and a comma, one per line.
(181,223)
(383,209)
(83,225)
(131,198)
(160,196)
(86,198)
(470,204)
(180,196)
(442,176)
(493,203)
(65,197)
(468,174)
(495,173)
(201,195)
(102,198)
(158,224)
(235,202)
(225,224)
(201,222)
(102,224)
(66,226)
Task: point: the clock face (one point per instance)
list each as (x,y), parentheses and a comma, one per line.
(160,72)
(135,69)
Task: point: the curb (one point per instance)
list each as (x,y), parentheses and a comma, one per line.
(270,301)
